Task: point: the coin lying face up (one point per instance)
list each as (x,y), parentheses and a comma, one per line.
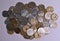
(30,20)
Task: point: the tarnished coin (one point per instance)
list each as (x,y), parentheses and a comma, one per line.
(54,16)
(41,7)
(50,9)
(10,32)
(25,28)
(13,21)
(48,15)
(12,8)
(31,4)
(40,24)
(17,30)
(10,27)
(5,14)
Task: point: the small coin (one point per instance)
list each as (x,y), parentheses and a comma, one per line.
(10,32)
(31,4)
(25,28)
(12,8)
(30,32)
(5,14)
(33,21)
(48,15)
(50,9)
(40,13)
(54,16)
(36,35)
(41,7)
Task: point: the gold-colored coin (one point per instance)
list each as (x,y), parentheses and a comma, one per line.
(25,28)
(33,21)
(50,9)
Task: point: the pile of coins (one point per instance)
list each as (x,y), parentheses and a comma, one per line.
(30,20)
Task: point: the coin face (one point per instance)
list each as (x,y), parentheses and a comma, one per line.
(50,9)
(54,17)
(30,32)
(25,28)
(48,15)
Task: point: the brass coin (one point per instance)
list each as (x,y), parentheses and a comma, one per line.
(33,21)
(50,9)
(10,32)
(25,28)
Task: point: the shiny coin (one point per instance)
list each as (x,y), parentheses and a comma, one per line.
(48,15)
(50,9)
(54,17)
(41,30)
(30,32)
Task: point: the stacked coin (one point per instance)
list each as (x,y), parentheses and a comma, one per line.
(29,20)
